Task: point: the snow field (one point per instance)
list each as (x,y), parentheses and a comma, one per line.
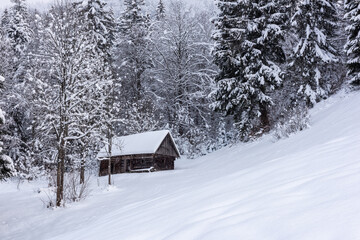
(303,187)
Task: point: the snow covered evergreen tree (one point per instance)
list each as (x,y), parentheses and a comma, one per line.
(133,60)
(17,28)
(352,47)
(99,23)
(17,34)
(248,53)
(160,10)
(314,23)
(5,54)
(7,168)
(4,22)
(98,27)
(133,44)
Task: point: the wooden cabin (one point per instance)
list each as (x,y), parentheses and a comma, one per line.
(149,151)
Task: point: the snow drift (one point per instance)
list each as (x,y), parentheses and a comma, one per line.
(303,187)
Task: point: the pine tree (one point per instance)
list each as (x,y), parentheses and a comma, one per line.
(18,35)
(133,61)
(160,11)
(18,29)
(7,168)
(5,20)
(5,54)
(248,53)
(133,45)
(314,23)
(352,46)
(98,26)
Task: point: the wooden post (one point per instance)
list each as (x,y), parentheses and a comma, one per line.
(109,152)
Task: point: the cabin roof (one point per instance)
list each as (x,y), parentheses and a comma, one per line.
(141,143)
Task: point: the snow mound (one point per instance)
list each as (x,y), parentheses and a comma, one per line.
(302,187)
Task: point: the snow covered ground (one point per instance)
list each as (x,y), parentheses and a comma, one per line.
(303,187)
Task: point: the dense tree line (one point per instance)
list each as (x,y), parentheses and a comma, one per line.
(77,75)
(277,58)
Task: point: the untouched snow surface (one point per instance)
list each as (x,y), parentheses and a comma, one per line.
(303,187)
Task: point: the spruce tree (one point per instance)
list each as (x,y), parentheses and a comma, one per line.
(18,28)
(133,45)
(133,62)
(160,10)
(7,168)
(314,23)
(17,34)
(4,23)
(248,53)
(352,46)
(98,25)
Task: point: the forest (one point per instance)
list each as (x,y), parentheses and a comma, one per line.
(80,73)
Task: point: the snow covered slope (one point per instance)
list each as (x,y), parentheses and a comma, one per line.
(303,187)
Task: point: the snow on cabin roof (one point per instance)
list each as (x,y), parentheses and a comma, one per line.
(141,143)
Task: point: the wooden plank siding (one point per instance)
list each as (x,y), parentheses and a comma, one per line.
(167,148)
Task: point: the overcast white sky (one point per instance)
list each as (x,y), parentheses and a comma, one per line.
(33,3)
(40,4)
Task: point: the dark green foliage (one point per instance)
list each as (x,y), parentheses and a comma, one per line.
(248,52)
(352,47)
(314,24)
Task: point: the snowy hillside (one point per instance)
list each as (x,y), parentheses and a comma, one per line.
(303,187)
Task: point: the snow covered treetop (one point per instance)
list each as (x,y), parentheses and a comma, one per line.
(141,143)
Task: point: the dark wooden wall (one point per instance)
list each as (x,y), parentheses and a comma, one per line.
(167,148)
(164,163)
(117,166)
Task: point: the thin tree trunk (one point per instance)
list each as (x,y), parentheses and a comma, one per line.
(109,153)
(82,171)
(60,173)
(138,85)
(264,118)
(58,184)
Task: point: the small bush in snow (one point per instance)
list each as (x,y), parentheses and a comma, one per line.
(49,193)
(49,198)
(297,121)
(7,168)
(73,190)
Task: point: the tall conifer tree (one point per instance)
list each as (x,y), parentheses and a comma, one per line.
(98,26)
(248,52)
(352,46)
(314,23)
(160,10)
(133,43)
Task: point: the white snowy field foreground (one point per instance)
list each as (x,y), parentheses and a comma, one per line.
(303,187)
